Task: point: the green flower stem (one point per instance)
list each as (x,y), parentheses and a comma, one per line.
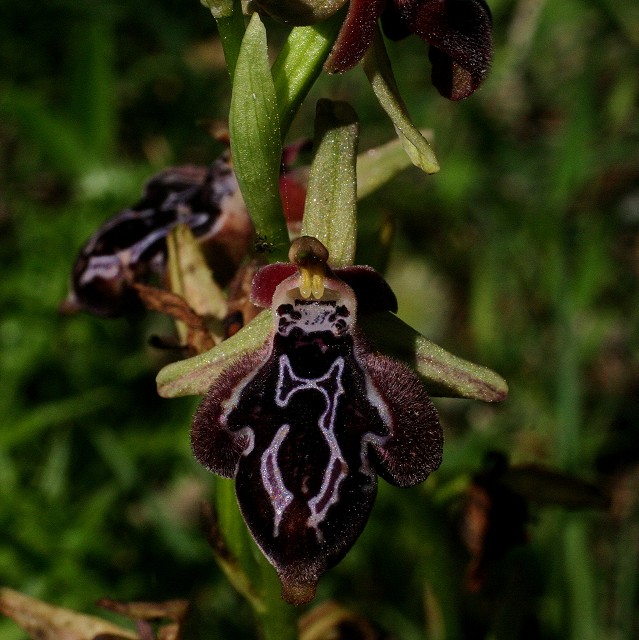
(256,144)
(231,30)
(299,64)
(331,200)
(279,620)
(253,577)
(230,26)
(239,562)
(581,612)
(582,599)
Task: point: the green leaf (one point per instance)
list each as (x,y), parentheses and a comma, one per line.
(443,373)
(255,138)
(45,416)
(299,64)
(331,199)
(378,69)
(195,375)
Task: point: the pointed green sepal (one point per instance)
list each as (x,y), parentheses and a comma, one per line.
(378,69)
(256,146)
(379,165)
(331,199)
(443,373)
(195,375)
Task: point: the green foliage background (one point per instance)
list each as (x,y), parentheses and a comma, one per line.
(521,254)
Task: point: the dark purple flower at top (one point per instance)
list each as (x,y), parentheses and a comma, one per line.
(459,33)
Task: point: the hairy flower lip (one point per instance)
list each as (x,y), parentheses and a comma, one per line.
(459,33)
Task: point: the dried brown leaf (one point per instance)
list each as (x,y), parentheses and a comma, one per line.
(169,609)
(43,621)
(198,337)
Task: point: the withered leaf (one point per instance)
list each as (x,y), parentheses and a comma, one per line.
(43,621)
(198,336)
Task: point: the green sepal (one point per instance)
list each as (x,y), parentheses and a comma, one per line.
(379,165)
(256,145)
(330,212)
(379,72)
(194,376)
(443,373)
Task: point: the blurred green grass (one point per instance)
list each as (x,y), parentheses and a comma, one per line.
(521,254)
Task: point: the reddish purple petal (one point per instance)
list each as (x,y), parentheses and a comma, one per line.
(371,290)
(460,35)
(355,35)
(266,281)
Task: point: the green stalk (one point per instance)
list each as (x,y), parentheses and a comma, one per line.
(91,89)
(237,539)
(279,620)
(299,64)
(231,30)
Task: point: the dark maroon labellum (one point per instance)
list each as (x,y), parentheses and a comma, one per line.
(306,423)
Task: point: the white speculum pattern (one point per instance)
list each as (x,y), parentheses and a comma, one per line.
(316,317)
(330,386)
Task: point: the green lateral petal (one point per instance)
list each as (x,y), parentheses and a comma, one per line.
(256,145)
(331,199)
(195,375)
(443,374)
(380,74)
(299,64)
